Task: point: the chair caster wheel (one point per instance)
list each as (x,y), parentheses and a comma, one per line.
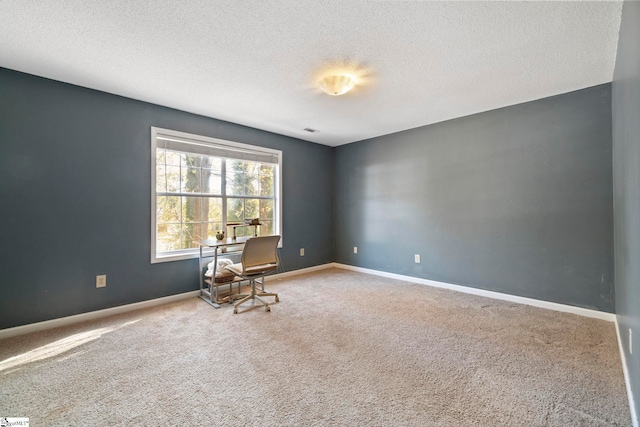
(277,299)
(267,308)
(235,311)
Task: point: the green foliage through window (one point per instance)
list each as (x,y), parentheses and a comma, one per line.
(197,195)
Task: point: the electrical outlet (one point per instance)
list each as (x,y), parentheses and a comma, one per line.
(301,251)
(630,341)
(101,281)
(355,249)
(417,258)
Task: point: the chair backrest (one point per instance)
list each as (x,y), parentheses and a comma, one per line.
(260,251)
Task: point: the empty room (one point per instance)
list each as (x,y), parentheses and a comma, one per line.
(319,213)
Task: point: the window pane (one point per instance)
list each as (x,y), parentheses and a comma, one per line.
(190,180)
(160,152)
(212,205)
(214,163)
(235,184)
(266,229)
(266,209)
(252,168)
(235,210)
(161,180)
(242,231)
(173,179)
(192,209)
(211,181)
(191,160)
(235,166)
(266,185)
(251,185)
(168,209)
(190,233)
(172,158)
(168,237)
(251,208)
(266,169)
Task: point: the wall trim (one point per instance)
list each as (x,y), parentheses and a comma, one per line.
(489,294)
(627,379)
(54,323)
(291,273)
(83,317)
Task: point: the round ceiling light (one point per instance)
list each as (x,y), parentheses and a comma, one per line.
(337,85)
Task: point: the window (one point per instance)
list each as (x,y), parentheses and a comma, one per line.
(201,185)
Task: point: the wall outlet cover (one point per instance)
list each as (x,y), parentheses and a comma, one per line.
(101,281)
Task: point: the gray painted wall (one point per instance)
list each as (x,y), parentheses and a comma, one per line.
(516,200)
(75,188)
(626,182)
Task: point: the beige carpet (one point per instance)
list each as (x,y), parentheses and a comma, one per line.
(340,349)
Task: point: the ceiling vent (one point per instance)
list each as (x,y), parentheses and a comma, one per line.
(311,130)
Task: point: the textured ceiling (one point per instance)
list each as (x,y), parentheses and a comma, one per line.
(258,63)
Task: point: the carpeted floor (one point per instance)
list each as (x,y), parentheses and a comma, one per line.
(340,349)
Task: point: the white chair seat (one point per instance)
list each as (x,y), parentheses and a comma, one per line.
(257,269)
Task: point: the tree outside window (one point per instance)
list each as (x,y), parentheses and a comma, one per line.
(198,194)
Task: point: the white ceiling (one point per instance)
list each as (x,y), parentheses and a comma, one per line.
(258,62)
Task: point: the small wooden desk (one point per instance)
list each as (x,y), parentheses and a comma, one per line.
(208,294)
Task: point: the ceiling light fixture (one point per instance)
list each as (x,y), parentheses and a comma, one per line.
(337,85)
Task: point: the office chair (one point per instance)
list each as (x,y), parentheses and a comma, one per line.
(259,257)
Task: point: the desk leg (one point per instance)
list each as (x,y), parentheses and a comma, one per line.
(200,271)
(213,279)
(213,276)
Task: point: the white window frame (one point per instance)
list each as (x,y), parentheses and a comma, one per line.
(220,144)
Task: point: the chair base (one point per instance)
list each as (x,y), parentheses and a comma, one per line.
(254,295)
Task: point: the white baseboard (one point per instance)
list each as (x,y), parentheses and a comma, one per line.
(489,294)
(298,272)
(54,323)
(627,379)
(83,317)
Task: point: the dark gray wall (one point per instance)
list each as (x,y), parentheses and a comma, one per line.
(626,184)
(516,200)
(76,200)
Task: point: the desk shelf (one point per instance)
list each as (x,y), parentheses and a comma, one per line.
(216,296)
(240,225)
(210,292)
